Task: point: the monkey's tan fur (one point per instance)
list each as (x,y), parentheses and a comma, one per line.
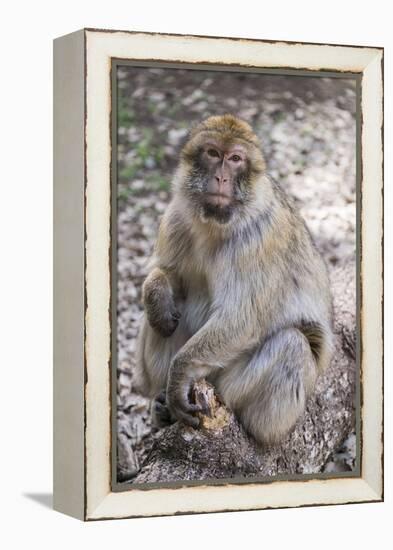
(243,301)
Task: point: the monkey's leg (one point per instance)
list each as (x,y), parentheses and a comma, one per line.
(154,356)
(269,393)
(159,302)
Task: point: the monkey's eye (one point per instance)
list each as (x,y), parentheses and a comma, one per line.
(235,158)
(213,153)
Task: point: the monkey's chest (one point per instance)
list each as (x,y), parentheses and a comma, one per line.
(198,274)
(196,306)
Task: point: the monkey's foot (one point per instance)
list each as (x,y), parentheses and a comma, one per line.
(161,416)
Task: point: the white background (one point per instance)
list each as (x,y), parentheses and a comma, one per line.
(26,304)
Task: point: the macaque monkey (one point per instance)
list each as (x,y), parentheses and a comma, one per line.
(237,293)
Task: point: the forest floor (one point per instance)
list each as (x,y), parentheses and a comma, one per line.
(307,126)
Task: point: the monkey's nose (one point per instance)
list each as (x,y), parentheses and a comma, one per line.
(221,180)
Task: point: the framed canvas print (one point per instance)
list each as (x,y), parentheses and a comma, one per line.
(218,327)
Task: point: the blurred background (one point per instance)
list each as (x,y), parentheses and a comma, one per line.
(307,126)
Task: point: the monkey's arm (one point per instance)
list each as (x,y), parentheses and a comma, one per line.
(159,301)
(216,343)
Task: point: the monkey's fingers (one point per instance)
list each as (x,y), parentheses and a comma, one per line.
(194,408)
(187,419)
(176,315)
(165,325)
(185,411)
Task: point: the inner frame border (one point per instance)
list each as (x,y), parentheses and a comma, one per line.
(148,63)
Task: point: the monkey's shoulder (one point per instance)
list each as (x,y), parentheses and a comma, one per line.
(174,235)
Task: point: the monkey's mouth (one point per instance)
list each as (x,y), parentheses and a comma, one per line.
(218,199)
(221,213)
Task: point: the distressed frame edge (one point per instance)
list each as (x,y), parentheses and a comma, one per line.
(236,38)
(358,492)
(375,495)
(69,274)
(372,271)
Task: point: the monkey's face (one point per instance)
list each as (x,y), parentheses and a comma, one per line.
(219,180)
(222,163)
(225,169)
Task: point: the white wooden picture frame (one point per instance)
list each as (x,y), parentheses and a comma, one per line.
(82,256)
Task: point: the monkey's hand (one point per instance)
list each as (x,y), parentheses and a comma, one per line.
(160,306)
(180,395)
(163,317)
